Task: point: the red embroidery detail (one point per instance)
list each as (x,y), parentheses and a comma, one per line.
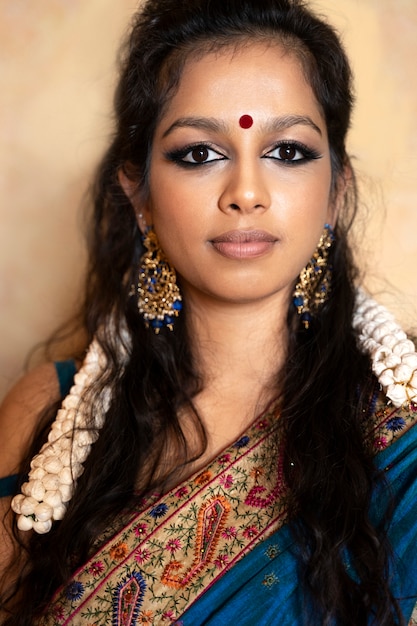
(258,496)
(246,121)
(211,521)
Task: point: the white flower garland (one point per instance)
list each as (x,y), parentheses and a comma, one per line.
(393,355)
(55,470)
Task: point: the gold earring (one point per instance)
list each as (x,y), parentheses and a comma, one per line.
(159,297)
(314,283)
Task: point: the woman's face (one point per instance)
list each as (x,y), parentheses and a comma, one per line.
(239,210)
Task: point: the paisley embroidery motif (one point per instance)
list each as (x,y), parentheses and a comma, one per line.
(128,598)
(211,521)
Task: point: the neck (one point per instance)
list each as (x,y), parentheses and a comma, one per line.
(240,348)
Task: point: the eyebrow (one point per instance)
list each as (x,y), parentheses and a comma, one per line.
(212,124)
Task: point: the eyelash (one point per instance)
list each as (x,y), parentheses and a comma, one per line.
(308,154)
(178,156)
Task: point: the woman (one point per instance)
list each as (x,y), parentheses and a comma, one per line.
(225,452)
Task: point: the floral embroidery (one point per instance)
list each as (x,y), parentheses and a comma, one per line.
(96,568)
(250,532)
(118,551)
(181,492)
(140,530)
(203,478)
(221,561)
(159,511)
(272,551)
(396,424)
(74,591)
(226,480)
(270,580)
(257,472)
(380,443)
(173,545)
(229,533)
(58,613)
(142,555)
(168,616)
(242,442)
(146,617)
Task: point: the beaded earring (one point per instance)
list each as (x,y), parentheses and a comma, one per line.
(314,283)
(159,297)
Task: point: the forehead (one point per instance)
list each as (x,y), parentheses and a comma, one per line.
(251,79)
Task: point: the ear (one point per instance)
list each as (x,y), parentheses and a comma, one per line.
(344,183)
(138,202)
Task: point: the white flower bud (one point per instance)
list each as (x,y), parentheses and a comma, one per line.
(54,434)
(38,490)
(51,482)
(379,367)
(26,488)
(403,347)
(381,353)
(27,507)
(410,360)
(71,402)
(24,523)
(66,492)
(53,498)
(389,341)
(65,476)
(392,360)
(37,474)
(42,527)
(59,512)
(43,512)
(17,503)
(37,461)
(386,378)
(53,465)
(402,373)
(80,378)
(397,394)
(77,469)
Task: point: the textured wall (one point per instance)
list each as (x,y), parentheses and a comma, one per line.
(56,77)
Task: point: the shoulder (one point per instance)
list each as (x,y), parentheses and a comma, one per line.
(21,411)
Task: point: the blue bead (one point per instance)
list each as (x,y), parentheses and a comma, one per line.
(156,324)
(298,301)
(177,305)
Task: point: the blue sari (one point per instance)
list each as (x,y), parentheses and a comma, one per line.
(217,549)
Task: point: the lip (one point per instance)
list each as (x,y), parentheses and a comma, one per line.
(244,244)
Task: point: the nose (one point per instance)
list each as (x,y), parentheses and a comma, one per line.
(245,189)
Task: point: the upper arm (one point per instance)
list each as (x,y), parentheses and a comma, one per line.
(21,411)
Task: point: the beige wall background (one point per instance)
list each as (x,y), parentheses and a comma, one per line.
(57,60)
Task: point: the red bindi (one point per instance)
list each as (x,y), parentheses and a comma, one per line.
(246,121)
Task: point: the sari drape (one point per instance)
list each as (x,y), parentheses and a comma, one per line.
(217,549)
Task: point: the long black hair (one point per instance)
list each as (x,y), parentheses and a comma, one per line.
(324,384)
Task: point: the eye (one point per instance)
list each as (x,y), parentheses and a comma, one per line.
(199,154)
(292,153)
